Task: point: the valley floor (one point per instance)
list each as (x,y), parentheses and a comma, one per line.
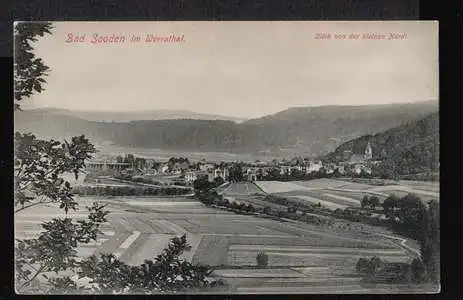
(302,258)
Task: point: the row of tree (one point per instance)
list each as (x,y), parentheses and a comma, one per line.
(129,191)
(214,199)
(210,197)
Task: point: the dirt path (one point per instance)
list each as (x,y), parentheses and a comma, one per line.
(402,244)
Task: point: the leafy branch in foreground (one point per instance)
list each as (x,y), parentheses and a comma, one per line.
(29,71)
(167,273)
(55,249)
(39,166)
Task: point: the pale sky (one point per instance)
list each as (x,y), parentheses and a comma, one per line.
(242,69)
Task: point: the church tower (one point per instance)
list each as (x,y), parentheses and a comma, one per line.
(368,152)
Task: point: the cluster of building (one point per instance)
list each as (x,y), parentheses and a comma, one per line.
(190,171)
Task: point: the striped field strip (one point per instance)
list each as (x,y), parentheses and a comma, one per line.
(326,255)
(303,290)
(248,235)
(93,244)
(314,249)
(126,244)
(172,226)
(342,198)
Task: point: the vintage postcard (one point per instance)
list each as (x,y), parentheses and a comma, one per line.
(226,157)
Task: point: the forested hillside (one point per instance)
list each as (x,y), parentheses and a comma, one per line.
(410,148)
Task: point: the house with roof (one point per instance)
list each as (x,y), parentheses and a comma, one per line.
(314,166)
(285,170)
(251,174)
(221,172)
(204,174)
(190,177)
(107,165)
(341,169)
(358,168)
(330,168)
(164,169)
(206,166)
(179,168)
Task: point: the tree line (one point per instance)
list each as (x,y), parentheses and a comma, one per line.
(129,191)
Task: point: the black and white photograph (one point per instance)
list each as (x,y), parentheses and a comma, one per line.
(236,157)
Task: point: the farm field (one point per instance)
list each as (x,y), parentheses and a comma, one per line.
(323,183)
(322,196)
(307,199)
(139,228)
(239,189)
(353,186)
(357,196)
(420,185)
(272,187)
(342,193)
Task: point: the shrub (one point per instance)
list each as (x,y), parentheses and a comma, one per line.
(267,210)
(365,201)
(374,202)
(417,270)
(262,259)
(250,208)
(234,205)
(369,266)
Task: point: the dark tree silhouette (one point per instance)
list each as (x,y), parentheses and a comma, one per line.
(29,70)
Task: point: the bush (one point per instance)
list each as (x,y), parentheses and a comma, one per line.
(374,202)
(262,259)
(417,270)
(369,266)
(267,210)
(234,205)
(250,208)
(365,201)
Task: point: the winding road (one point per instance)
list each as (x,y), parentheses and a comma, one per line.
(402,244)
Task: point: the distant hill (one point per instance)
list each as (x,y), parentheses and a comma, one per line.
(413,147)
(127,116)
(302,131)
(321,129)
